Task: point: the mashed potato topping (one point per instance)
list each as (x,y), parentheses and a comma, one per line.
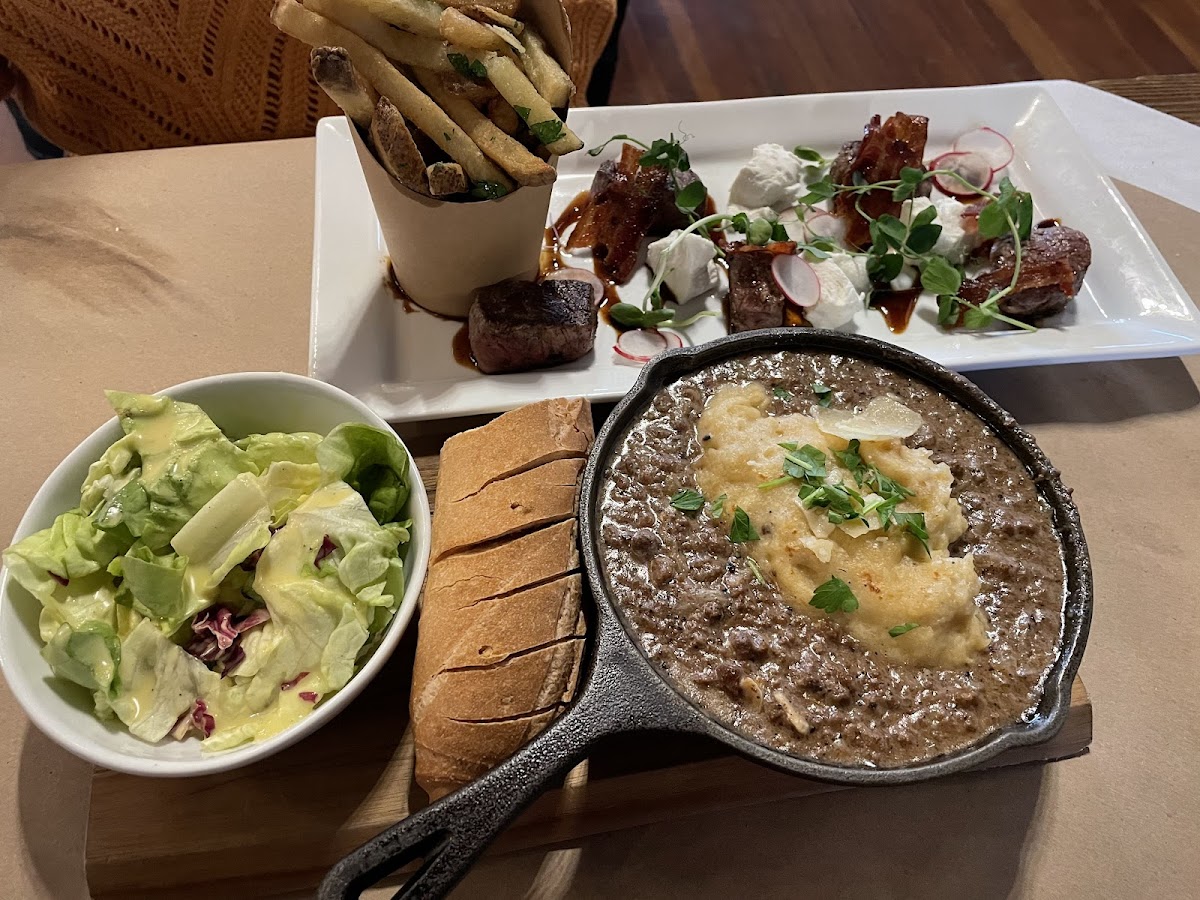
(894,579)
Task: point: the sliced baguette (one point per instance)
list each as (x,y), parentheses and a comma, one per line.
(466,578)
(513,443)
(513,505)
(502,630)
(491,634)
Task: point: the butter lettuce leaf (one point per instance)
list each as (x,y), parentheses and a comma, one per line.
(224,532)
(71,548)
(286,484)
(158,681)
(155,586)
(184,459)
(371,461)
(322,614)
(88,655)
(264,449)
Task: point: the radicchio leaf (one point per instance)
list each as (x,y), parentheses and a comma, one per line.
(196,719)
(288,685)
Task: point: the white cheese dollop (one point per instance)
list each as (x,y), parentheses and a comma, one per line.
(905,280)
(690,270)
(855,268)
(954,243)
(840,299)
(773,177)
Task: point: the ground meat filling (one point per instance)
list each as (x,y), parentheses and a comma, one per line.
(800,683)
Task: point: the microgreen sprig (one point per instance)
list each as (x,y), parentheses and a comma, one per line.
(1010,213)
(668,154)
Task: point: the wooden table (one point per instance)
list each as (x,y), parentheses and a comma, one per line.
(1121,821)
(1177,95)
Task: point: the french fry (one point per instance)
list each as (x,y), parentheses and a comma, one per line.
(509,154)
(530,105)
(410,49)
(489,16)
(305,25)
(456,28)
(395,148)
(332,70)
(544,71)
(446,178)
(506,7)
(478,92)
(501,112)
(418,16)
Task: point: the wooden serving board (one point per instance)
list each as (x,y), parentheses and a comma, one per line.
(277,826)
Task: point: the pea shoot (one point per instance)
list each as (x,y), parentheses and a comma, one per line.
(894,242)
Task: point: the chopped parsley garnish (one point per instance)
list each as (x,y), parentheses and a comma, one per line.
(781,393)
(914,524)
(834,596)
(823,392)
(803,462)
(488,190)
(523,112)
(717,508)
(688,500)
(897,630)
(547,132)
(742,531)
(468,68)
(807,468)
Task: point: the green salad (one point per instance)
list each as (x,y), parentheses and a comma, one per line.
(215,587)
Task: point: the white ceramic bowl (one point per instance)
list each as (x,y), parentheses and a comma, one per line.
(240,404)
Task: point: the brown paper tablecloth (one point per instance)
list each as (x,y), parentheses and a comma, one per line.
(141,270)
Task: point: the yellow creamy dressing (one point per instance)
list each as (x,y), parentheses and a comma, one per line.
(257,707)
(154,439)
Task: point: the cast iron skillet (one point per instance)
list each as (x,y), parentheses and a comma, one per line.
(623,692)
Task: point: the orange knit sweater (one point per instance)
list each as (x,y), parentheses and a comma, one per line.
(103,75)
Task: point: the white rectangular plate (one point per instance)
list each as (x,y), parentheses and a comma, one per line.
(401,363)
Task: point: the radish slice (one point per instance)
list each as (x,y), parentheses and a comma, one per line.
(674,340)
(640,345)
(821,224)
(797,280)
(970,166)
(570,273)
(988,143)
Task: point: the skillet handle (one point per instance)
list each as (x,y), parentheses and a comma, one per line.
(620,694)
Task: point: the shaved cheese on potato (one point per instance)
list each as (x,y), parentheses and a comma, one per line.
(884,418)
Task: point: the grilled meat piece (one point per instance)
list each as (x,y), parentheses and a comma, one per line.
(519,325)
(628,204)
(1053,263)
(883,151)
(755,300)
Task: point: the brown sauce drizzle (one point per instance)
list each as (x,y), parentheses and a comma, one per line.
(897,307)
(411,305)
(553,238)
(462,348)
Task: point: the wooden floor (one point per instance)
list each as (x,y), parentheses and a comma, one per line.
(676,50)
